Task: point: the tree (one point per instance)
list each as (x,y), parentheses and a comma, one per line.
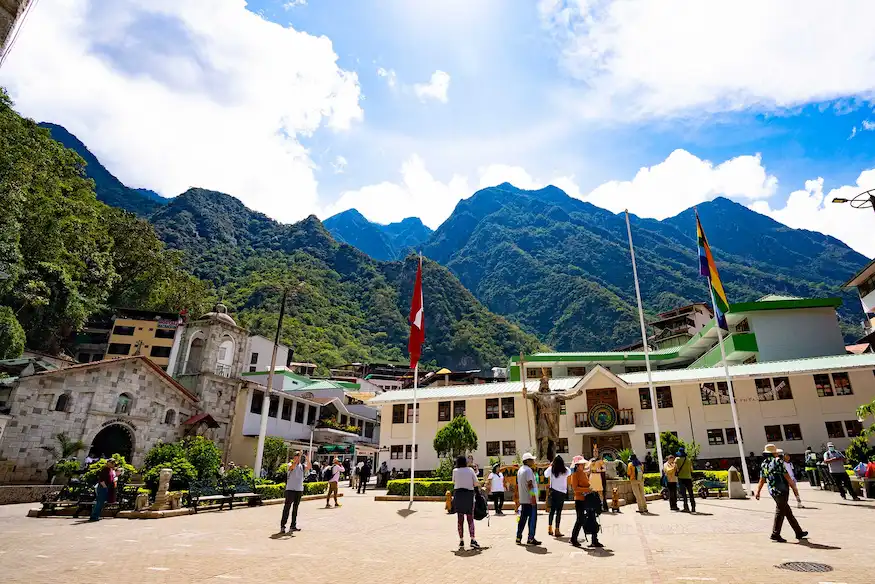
(671,444)
(859,451)
(65,448)
(11,334)
(274,451)
(863,412)
(456,438)
(204,456)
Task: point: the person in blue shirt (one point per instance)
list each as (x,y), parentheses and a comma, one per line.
(774,473)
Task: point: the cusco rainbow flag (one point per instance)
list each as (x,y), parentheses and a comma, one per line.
(708,268)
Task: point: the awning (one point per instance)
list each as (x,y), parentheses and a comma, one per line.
(203,418)
(336,448)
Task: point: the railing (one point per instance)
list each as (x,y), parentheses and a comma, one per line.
(625,417)
(223,369)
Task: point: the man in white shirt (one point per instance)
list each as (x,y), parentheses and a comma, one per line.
(294,490)
(336,469)
(527,487)
(835,460)
(495,487)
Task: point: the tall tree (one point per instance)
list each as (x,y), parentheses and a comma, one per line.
(456,438)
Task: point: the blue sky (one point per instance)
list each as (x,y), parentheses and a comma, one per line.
(403,107)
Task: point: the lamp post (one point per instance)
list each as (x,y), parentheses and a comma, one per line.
(865,200)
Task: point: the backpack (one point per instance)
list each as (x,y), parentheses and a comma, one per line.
(326,476)
(634,475)
(481,509)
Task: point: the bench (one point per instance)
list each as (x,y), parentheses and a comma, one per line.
(206,491)
(125,498)
(62,498)
(244,491)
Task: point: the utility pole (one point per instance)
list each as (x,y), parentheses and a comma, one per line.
(265,403)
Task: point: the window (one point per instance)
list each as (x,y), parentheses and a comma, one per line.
(563,445)
(274,406)
(458,408)
(782,388)
(63,403)
(408,450)
(750,360)
(255,406)
(539,372)
(835,430)
(854,427)
(713,395)
(311,415)
(842,384)
(253,360)
(299,413)
(444,411)
(492,412)
(823,385)
(126,331)
(507,407)
(644,396)
(165,333)
(343,420)
(649,440)
(635,369)
(576,371)
(715,437)
(792,432)
(743,326)
(562,409)
(252,368)
(731,438)
(85,358)
(287,410)
(160,352)
(508,447)
(663,397)
(118,349)
(396,452)
(493,448)
(773,434)
(123,404)
(369,430)
(764,389)
(170,417)
(410,413)
(398,414)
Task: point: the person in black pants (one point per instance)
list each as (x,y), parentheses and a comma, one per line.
(773,473)
(495,484)
(364,476)
(294,490)
(558,476)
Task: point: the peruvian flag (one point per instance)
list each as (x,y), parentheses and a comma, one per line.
(417,323)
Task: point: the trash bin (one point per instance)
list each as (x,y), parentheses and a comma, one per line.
(735,484)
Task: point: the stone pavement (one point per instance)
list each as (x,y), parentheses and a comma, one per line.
(727,541)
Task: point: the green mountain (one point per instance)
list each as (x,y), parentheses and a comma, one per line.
(346,306)
(561,267)
(381,242)
(109,189)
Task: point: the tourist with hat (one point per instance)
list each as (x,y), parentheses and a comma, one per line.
(635,473)
(774,473)
(685,479)
(670,472)
(580,486)
(333,481)
(835,460)
(527,489)
(495,488)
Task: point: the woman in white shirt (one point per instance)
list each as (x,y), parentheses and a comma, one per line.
(558,475)
(495,486)
(464,483)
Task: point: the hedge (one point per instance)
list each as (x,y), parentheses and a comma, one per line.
(651,479)
(278,490)
(421,487)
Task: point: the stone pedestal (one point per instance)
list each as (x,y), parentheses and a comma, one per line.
(161,502)
(735,484)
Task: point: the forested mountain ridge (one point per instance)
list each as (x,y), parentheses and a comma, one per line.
(381,242)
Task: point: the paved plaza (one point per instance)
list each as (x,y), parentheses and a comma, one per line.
(727,541)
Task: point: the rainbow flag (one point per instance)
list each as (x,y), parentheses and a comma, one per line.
(708,268)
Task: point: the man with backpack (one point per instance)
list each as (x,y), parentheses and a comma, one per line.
(811,459)
(774,473)
(685,479)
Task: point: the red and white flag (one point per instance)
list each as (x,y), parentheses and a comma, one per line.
(417,321)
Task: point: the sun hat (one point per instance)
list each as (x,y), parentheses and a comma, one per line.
(830,445)
(769,449)
(528,456)
(779,451)
(577,460)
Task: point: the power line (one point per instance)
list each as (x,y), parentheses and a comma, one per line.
(17,31)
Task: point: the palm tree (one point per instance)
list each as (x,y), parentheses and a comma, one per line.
(67,447)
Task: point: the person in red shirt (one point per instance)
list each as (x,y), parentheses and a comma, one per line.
(105,489)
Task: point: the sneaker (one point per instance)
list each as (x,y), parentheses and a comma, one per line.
(549,530)
(461,544)
(802,535)
(328,506)
(596,544)
(533,541)
(282,529)
(778,539)
(295,528)
(575,543)
(519,541)
(475,545)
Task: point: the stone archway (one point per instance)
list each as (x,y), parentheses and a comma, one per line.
(113,439)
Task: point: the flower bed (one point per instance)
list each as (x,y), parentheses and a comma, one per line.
(421,487)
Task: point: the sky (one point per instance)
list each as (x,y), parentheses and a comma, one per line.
(402,108)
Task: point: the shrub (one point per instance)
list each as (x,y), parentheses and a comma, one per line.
(162,453)
(238,474)
(12,337)
(204,456)
(444,471)
(859,451)
(651,479)
(421,488)
(121,465)
(67,468)
(315,488)
(278,490)
(183,473)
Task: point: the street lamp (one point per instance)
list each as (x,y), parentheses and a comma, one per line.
(864,200)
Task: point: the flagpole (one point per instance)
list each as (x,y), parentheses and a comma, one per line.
(731,393)
(526,400)
(653,404)
(415,412)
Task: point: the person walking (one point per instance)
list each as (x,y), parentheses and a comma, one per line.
(835,460)
(464,485)
(685,479)
(105,490)
(364,476)
(788,466)
(495,487)
(557,475)
(527,489)
(670,470)
(774,473)
(580,486)
(649,465)
(294,490)
(811,459)
(635,472)
(333,481)
(383,474)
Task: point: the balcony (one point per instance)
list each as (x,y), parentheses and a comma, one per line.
(625,422)
(223,369)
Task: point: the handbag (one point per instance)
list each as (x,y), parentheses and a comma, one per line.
(481,508)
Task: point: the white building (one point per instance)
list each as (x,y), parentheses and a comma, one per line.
(794,404)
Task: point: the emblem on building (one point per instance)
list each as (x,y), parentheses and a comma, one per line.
(602,417)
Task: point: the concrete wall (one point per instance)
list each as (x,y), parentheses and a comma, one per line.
(263,350)
(796,334)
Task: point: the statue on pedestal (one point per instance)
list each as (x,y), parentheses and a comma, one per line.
(548,406)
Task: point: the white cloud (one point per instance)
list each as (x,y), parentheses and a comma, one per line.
(868,126)
(853,132)
(293,3)
(175,94)
(683,180)
(339,164)
(642,58)
(435,89)
(811,208)
(390,75)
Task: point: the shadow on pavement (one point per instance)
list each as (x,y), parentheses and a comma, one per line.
(702,513)
(405,513)
(599,552)
(281,535)
(816,546)
(469,553)
(537,549)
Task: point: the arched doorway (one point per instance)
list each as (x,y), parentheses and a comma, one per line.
(114,439)
(195,351)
